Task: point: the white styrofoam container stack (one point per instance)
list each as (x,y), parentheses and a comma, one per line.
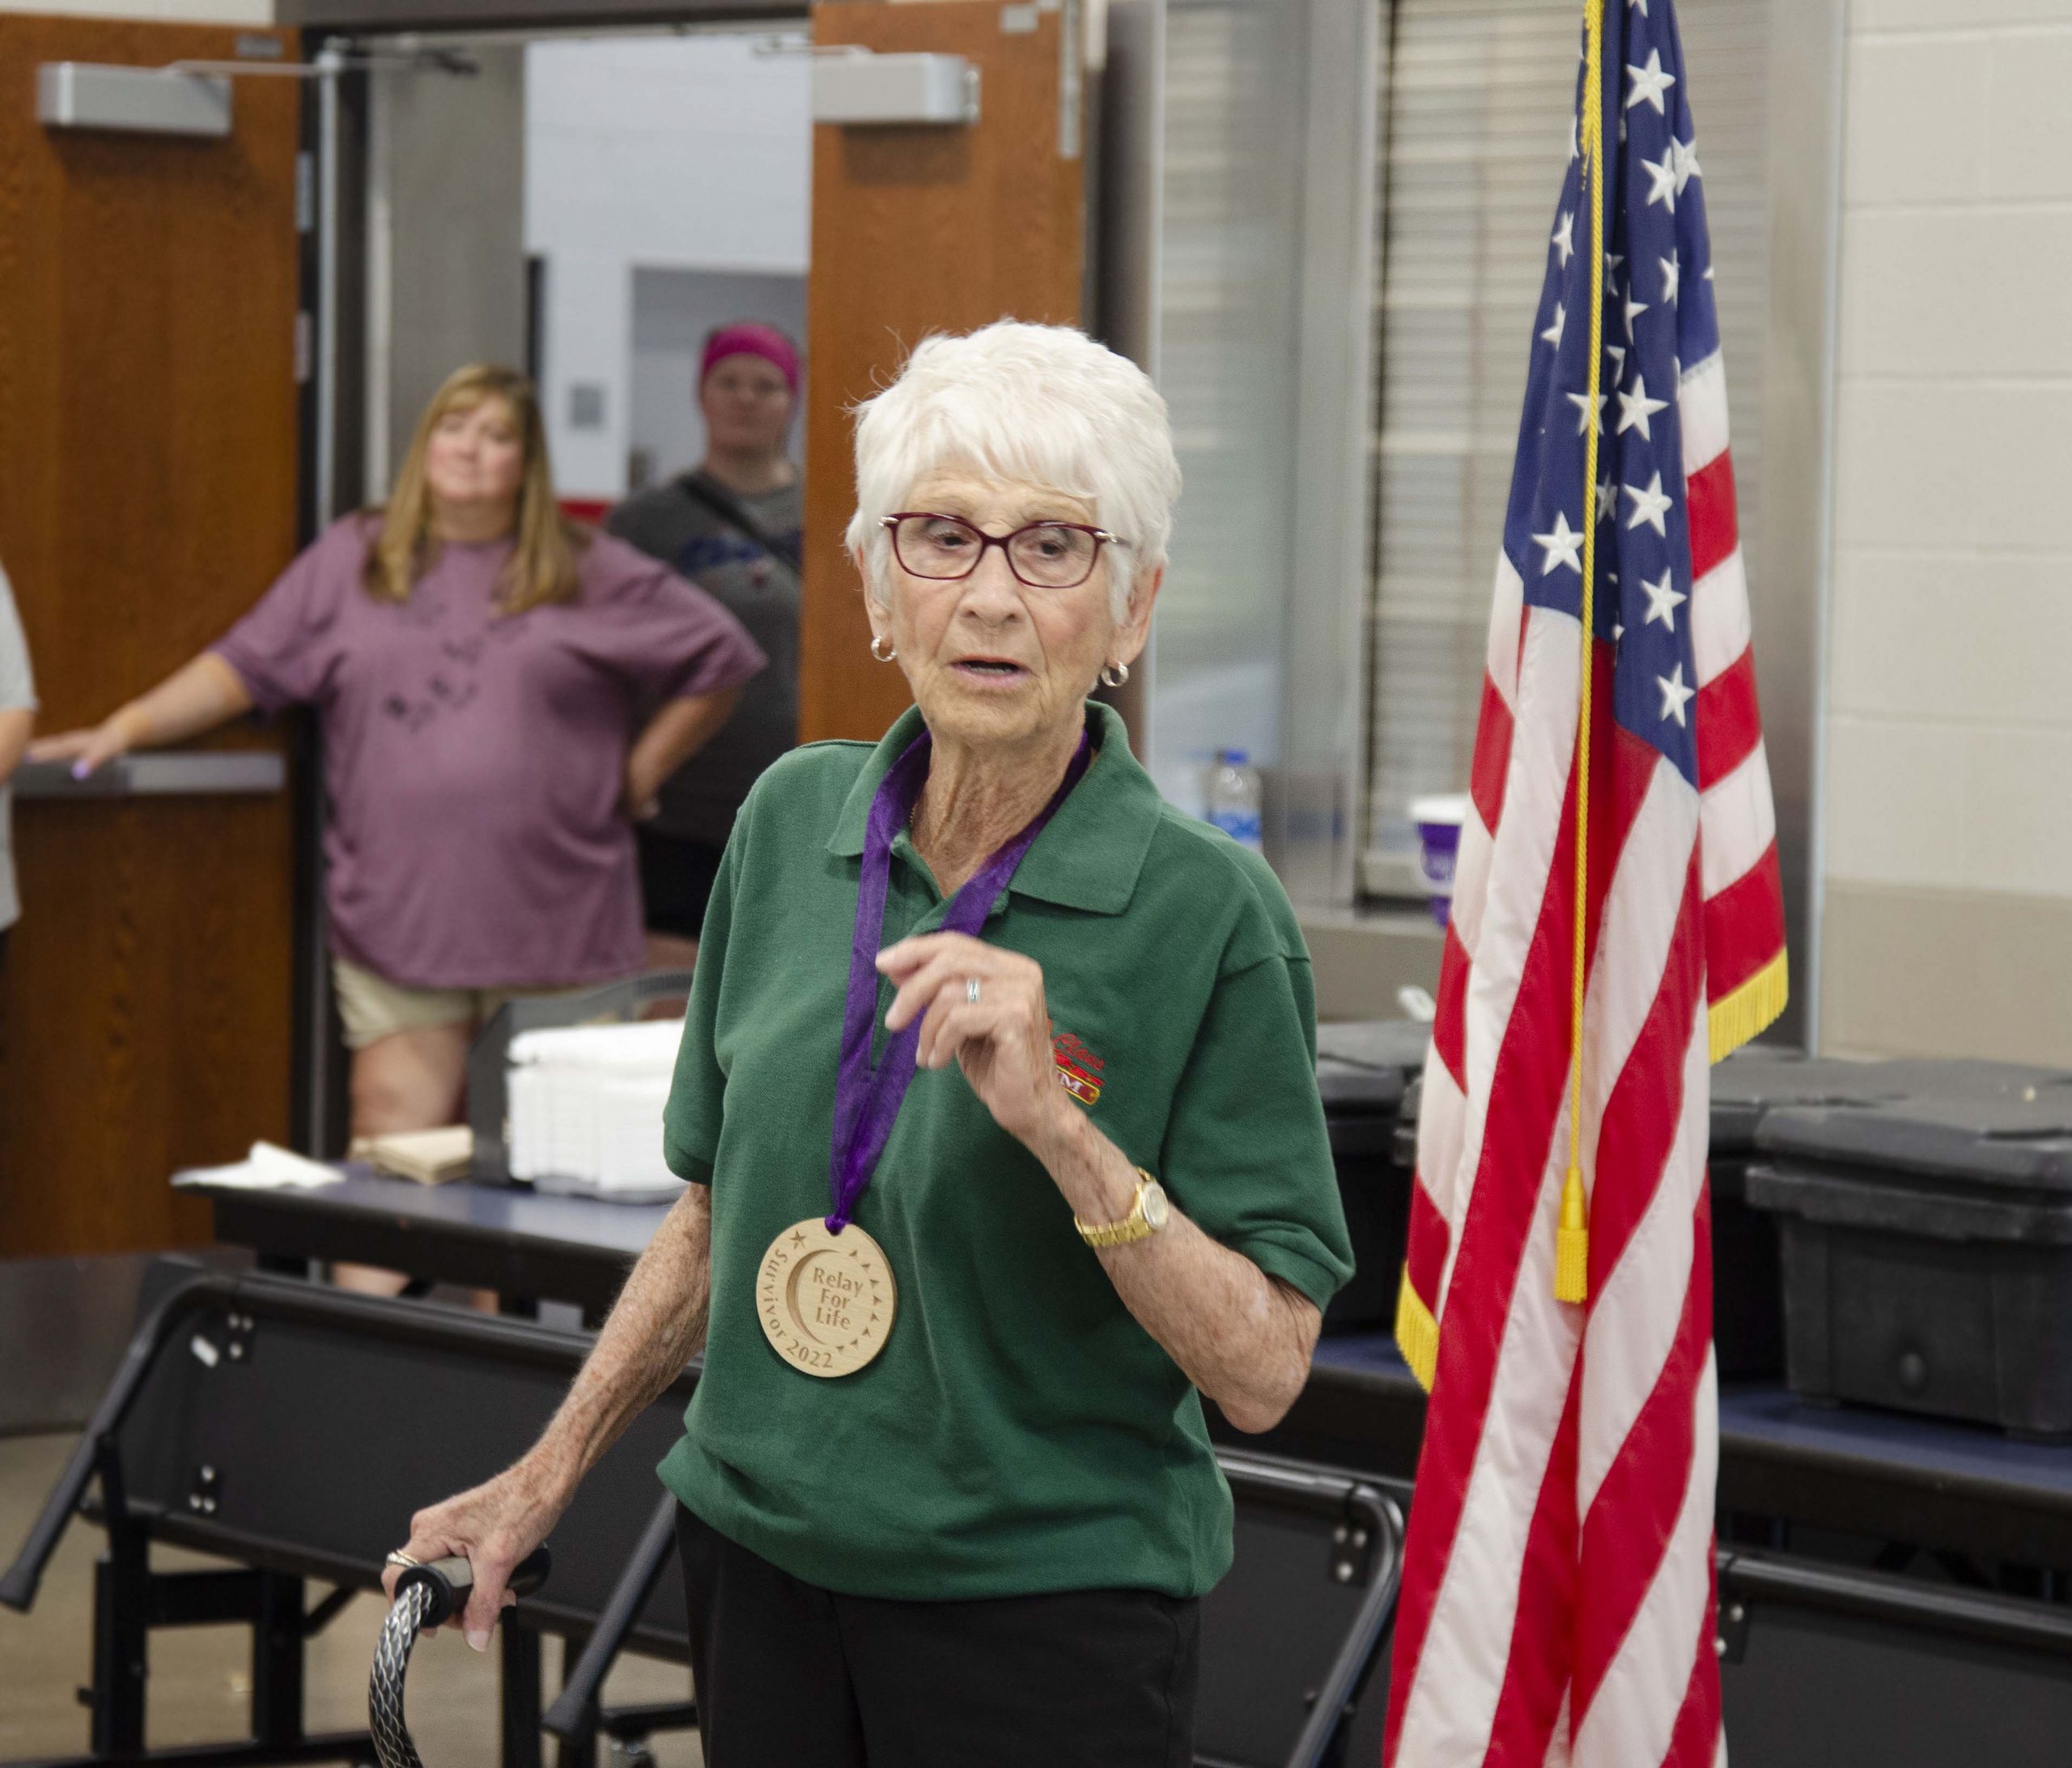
(586,1107)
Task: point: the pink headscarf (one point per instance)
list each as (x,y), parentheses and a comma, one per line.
(749,339)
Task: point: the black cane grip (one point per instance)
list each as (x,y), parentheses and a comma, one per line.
(531,1572)
(450,1579)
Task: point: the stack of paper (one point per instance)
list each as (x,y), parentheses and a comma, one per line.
(431,1157)
(586,1107)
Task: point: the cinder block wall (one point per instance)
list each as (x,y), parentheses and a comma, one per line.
(1947,810)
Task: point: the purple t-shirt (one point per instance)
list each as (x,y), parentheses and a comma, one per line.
(475,760)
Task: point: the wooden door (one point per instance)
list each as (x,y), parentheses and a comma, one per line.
(147,496)
(917,230)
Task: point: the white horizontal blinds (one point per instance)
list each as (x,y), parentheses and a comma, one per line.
(1481,96)
(1476,119)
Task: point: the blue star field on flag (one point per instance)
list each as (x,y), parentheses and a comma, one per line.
(1658,318)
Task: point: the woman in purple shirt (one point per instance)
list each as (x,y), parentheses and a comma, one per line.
(475,661)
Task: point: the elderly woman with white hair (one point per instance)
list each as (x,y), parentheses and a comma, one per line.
(996,1099)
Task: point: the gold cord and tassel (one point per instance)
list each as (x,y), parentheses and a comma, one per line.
(1572,1238)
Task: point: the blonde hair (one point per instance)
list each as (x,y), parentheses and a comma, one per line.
(542,567)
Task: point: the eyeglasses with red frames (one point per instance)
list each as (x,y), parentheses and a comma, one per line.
(1043,555)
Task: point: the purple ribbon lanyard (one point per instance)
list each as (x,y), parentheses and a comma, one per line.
(867,1100)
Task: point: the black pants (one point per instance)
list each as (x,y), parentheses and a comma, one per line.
(791,1675)
(676,877)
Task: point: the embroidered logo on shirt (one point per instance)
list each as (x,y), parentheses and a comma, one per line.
(1079,1068)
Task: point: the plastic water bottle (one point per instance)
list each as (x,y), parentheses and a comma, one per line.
(1233,797)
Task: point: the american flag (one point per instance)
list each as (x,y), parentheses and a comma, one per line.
(1557,1603)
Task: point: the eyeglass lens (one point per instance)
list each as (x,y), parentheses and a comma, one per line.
(1047,555)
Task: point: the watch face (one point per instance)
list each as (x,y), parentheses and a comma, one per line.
(1156,1208)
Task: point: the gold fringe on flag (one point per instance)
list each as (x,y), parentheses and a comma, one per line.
(1751,1010)
(1416,1334)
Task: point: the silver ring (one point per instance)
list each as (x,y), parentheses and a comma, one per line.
(399,1558)
(971,990)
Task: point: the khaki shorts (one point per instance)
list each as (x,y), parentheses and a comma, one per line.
(374,1008)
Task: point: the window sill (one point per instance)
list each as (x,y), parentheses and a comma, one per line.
(1361,957)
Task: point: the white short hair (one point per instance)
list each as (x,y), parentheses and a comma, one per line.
(1042,404)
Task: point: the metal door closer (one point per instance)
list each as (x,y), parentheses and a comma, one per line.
(429,1594)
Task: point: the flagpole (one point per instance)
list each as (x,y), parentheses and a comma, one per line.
(1572,1240)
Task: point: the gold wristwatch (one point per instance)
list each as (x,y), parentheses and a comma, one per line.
(1146,1216)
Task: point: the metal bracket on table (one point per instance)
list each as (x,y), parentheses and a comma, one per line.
(1731,1639)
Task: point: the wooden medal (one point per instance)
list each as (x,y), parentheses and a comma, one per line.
(826,1301)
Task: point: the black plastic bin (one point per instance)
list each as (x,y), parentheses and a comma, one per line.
(1927,1243)
(1747,1283)
(1362,1072)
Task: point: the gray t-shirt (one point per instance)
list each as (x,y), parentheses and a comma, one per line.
(17,691)
(760,590)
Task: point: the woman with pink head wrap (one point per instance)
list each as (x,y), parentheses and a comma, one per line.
(732,525)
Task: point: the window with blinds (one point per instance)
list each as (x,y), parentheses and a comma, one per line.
(1480,94)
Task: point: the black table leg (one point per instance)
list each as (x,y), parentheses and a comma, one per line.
(277,1661)
(121,1598)
(520,1648)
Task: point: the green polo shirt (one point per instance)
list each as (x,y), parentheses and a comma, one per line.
(1020,1432)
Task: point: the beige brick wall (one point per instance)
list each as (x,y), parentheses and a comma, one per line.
(1947,804)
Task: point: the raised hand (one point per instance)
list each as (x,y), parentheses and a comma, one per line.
(1001,1040)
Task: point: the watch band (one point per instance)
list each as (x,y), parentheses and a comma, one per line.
(1133,1227)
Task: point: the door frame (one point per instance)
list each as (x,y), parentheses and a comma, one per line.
(337,123)
(337,135)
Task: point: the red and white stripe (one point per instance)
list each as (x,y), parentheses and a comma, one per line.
(1557,1599)
(1743,894)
